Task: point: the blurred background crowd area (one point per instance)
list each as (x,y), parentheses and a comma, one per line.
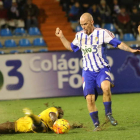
(18,13)
(19,26)
(123,14)
(28,26)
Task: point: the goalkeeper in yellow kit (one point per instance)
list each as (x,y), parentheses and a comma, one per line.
(33,123)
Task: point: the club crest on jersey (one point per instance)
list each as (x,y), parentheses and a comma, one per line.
(96,39)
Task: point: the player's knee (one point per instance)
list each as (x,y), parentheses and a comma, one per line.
(107,95)
(90,100)
(106,90)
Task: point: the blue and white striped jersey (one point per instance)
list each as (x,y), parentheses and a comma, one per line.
(93,48)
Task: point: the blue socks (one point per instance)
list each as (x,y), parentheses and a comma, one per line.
(94,117)
(108,109)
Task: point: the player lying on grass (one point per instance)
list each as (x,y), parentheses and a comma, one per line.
(33,123)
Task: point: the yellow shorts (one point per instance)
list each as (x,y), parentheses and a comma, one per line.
(24,124)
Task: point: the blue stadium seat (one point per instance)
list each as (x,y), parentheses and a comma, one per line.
(19,31)
(1,45)
(134,45)
(14,51)
(1,52)
(43,50)
(24,43)
(10,43)
(5,32)
(128,37)
(97,25)
(28,51)
(34,31)
(39,42)
(110,27)
(78,28)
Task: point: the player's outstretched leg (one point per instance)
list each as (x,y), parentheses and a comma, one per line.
(6,128)
(105,85)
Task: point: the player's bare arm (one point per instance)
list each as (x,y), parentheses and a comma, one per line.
(65,42)
(36,120)
(125,47)
(53,116)
(38,126)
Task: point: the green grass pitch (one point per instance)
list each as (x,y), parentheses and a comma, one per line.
(126,110)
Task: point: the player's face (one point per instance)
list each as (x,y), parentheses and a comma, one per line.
(87,26)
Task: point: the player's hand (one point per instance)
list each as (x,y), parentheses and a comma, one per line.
(27,111)
(58,32)
(136,52)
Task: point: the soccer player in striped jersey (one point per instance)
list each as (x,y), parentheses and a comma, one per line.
(96,70)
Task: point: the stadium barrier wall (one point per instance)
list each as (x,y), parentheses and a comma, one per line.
(55,74)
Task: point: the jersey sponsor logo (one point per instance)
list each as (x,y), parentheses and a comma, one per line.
(87,50)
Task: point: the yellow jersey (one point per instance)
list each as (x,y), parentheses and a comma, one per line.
(24,124)
(45,117)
